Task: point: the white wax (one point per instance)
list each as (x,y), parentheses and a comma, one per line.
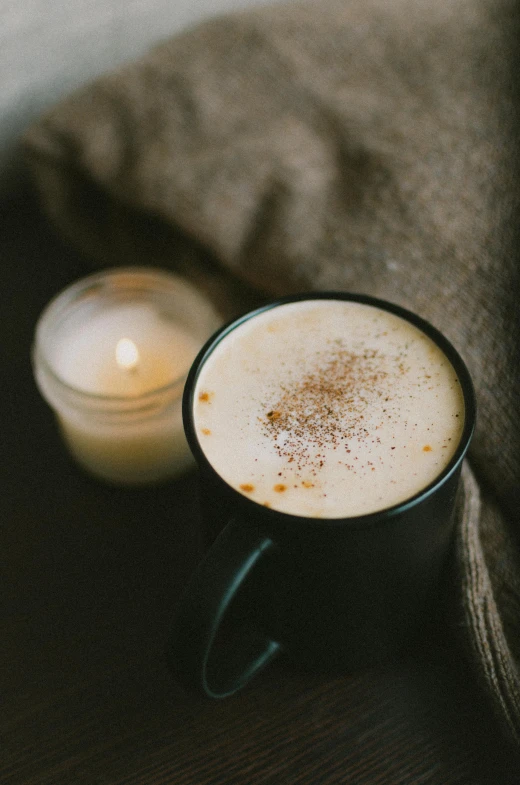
(133,448)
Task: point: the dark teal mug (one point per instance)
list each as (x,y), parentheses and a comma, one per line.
(331,592)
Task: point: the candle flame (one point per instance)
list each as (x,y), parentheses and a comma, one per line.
(127,356)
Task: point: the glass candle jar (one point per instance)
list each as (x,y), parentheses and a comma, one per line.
(110,356)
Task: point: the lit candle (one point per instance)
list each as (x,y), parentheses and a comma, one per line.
(111,355)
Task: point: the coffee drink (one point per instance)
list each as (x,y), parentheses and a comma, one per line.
(328,408)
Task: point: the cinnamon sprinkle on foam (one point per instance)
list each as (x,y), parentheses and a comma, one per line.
(327,406)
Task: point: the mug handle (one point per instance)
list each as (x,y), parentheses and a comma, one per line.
(233,557)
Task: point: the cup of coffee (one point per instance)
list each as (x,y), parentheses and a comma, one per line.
(329,430)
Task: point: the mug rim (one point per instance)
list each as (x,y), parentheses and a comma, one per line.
(379,516)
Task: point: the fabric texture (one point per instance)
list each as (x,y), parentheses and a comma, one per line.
(364,145)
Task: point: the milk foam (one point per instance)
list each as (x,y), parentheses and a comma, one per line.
(328,408)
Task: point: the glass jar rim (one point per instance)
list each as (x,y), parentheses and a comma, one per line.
(117,283)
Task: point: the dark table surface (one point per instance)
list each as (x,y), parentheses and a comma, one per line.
(89,577)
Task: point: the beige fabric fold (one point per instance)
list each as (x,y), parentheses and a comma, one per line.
(368,145)
(491,618)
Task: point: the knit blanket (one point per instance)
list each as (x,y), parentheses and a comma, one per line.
(366,145)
